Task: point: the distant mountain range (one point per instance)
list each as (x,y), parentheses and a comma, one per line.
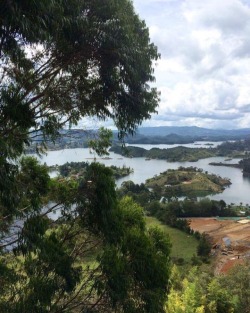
(185,134)
(78,138)
(192,131)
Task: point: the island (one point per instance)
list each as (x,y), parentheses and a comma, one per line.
(78,169)
(177,154)
(237,149)
(243,164)
(187,181)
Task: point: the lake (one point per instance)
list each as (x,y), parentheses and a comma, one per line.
(238,192)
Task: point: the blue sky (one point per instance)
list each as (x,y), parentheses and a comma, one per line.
(204,71)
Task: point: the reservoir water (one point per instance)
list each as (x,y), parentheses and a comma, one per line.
(238,192)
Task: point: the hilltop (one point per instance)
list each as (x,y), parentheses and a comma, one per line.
(186,181)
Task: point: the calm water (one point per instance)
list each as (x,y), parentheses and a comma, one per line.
(238,192)
(196,144)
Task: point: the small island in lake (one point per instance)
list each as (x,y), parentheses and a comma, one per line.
(186,181)
(243,164)
(78,169)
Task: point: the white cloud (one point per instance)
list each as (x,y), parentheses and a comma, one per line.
(204,73)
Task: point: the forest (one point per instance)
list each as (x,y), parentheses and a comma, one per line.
(80,245)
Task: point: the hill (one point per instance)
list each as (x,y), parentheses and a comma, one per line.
(180,154)
(193,131)
(187,181)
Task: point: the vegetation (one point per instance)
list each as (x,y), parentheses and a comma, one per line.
(186,181)
(53,257)
(78,170)
(183,246)
(179,154)
(140,193)
(237,149)
(243,164)
(191,208)
(168,209)
(156,140)
(174,216)
(62,61)
(119,172)
(201,293)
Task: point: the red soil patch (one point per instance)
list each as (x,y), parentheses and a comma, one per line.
(239,235)
(229,264)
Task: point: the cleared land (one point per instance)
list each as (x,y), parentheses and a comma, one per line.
(183,245)
(231,240)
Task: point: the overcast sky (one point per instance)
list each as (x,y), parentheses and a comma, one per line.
(204,71)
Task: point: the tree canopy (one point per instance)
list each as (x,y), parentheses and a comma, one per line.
(65,60)
(62,61)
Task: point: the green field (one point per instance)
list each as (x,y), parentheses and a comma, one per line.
(183,245)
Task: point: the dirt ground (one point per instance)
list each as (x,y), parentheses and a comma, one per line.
(230,239)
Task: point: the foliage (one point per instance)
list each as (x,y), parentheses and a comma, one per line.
(187,181)
(62,61)
(71,168)
(234,149)
(237,148)
(119,172)
(177,154)
(191,208)
(183,247)
(199,293)
(140,193)
(92,59)
(245,165)
(102,142)
(77,170)
(204,247)
(237,283)
(96,254)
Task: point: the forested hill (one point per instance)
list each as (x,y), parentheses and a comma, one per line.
(236,149)
(177,154)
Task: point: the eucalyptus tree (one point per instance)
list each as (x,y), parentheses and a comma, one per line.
(65,60)
(62,61)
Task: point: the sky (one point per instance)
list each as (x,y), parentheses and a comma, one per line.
(204,71)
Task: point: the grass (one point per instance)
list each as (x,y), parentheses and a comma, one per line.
(188,182)
(183,245)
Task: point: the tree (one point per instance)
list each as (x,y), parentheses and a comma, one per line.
(200,292)
(237,284)
(85,58)
(189,298)
(61,61)
(98,255)
(204,246)
(220,299)
(64,60)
